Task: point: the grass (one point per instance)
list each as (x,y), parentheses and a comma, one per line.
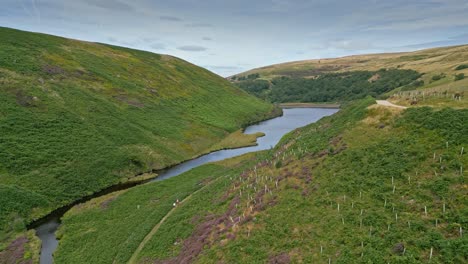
(238,140)
(95,223)
(360,159)
(369,184)
(25,246)
(76,117)
(447,93)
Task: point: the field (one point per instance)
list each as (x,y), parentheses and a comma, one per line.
(76,117)
(370,184)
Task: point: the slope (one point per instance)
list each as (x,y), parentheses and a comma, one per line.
(440,72)
(434,60)
(76,117)
(371,184)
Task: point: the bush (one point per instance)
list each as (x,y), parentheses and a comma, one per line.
(411,86)
(438,77)
(253,76)
(461,67)
(459,76)
(278,164)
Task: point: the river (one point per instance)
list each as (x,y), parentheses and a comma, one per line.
(274,129)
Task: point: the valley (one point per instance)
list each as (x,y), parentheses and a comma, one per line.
(115,155)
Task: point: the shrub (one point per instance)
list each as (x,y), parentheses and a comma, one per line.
(461,67)
(438,77)
(459,76)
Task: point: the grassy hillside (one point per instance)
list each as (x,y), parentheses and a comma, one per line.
(138,210)
(442,70)
(76,117)
(371,184)
(435,60)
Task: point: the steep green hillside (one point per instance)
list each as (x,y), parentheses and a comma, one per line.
(76,117)
(371,184)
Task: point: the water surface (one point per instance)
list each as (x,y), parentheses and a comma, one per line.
(274,130)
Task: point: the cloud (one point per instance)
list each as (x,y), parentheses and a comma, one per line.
(111,5)
(148,40)
(460,37)
(451,41)
(194,48)
(340,27)
(350,45)
(341,44)
(226,70)
(158,46)
(223,67)
(122,42)
(416,15)
(199,25)
(36,11)
(170,18)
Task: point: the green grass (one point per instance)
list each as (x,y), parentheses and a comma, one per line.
(76,117)
(305,215)
(373,160)
(109,229)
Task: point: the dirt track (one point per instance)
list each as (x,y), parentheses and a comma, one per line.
(387,103)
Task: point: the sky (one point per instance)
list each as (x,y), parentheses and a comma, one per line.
(228,37)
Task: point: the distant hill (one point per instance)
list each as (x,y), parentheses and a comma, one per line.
(441,69)
(76,117)
(444,59)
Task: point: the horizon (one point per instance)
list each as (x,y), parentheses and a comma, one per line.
(220,36)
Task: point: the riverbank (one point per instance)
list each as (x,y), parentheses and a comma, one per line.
(43,216)
(235,140)
(309,105)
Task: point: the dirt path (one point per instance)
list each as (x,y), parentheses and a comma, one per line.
(387,103)
(155,229)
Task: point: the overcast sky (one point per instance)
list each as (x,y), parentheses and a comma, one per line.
(228,37)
